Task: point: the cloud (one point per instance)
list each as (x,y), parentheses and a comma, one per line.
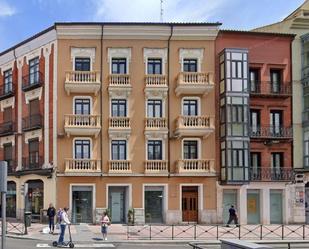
(149,10)
(6,9)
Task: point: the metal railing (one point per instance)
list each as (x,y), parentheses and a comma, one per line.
(269,88)
(14,226)
(155,80)
(196,165)
(7,128)
(6,90)
(33,162)
(119,79)
(82,77)
(271,132)
(33,122)
(195,78)
(216,232)
(32,80)
(270,174)
(82,165)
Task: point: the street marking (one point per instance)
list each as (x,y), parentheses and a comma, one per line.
(80,246)
(43,245)
(103,245)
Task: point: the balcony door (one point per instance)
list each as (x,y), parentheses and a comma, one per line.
(82,149)
(255,158)
(8,85)
(154,108)
(276,165)
(82,106)
(34,113)
(190,107)
(82,64)
(8,156)
(34,71)
(275,80)
(255,122)
(154,66)
(33,153)
(190,149)
(119,66)
(275,123)
(119,150)
(190,65)
(119,108)
(254,80)
(154,150)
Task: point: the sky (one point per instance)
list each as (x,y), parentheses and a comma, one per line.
(20,19)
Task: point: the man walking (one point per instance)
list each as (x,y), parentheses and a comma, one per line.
(233,216)
(51,212)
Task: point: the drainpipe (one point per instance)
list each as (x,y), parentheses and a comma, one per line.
(168,100)
(101,97)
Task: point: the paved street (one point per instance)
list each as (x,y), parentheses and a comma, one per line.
(30,244)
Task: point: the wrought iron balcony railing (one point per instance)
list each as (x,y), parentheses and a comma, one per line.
(33,122)
(11,165)
(7,128)
(32,162)
(6,91)
(271,132)
(269,88)
(271,174)
(32,81)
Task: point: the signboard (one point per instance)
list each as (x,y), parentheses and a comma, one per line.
(3,176)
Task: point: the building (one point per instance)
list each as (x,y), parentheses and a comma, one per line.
(27,140)
(298,23)
(254,92)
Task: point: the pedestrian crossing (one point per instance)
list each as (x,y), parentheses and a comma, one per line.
(105,245)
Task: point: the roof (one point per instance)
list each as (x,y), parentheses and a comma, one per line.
(256,33)
(304,6)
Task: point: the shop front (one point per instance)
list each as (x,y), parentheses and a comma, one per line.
(35,198)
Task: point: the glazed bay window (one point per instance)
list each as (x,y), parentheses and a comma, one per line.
(119,65)
(82,64)
(34,71)
(154,108)
(119,150)
(154,150)
(190,65)
(190,107)
(8,82)
(275,80)
(154,66)
(119,108)
(254,80)
(82,149)
(190,149)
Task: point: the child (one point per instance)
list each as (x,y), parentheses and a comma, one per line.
(105,222)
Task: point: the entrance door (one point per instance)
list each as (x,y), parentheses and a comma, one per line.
(275,207)
(154,204)
(190,204)
(253,207)
(229,199)
(82,204)
(307,202)
(116,204)
(35,198)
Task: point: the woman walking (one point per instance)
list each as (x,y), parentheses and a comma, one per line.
(105,222)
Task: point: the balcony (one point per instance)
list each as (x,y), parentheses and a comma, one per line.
(6,91)
(268,89)
(33,162)
(119,167)
(188,166)
(119,84)
(156,167)
(271,174)
(82,82)
(194,126)
(84,125)
(194,83)
(156,126)
(81,166)
(271,132)
(155,84)
(11,166)
(32,81)
(119,125)
(33,122)
(7,128)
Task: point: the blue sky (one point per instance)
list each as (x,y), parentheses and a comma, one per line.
(20,19)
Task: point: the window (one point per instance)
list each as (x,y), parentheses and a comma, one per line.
(34,113)
(237,70)
(238,157)
(154,108)
(306,149)
(119,108)
(190,65)
(119,66)
(255,158)
(33,153)
(254,80)
(119,149)
(8,155)
(275,80)
(154,150)
(7,115)
(237,114)
(154,66)
(255,121)
(190,149)
(82,149)
(34,71)
(190,107)
(82,64)
(276,165)
(82,106)
(275,123)
(8,81)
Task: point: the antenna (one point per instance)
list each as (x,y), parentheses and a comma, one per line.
(161,10)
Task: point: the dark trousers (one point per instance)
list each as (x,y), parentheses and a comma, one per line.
(62,231)
(233,218)
(51,223)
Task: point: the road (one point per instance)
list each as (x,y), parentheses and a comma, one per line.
(33,244)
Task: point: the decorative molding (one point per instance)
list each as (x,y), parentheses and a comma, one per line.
(7,66)
(119,53)
(33,134)
(20,63)
(83,52)
(9,102)
(119,92)
(157,134)
(7,140)
(192,53)
(119,134)
(33,54)
(156,93)
(155,53)
(33,94)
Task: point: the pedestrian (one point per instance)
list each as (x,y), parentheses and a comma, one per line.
(51,213)
(105,222)
(233,216)
(64,221)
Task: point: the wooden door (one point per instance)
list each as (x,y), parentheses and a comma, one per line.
(190,206)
